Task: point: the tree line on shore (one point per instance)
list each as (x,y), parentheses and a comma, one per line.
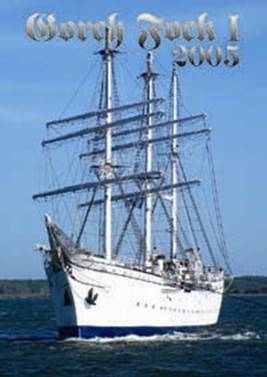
(39,288)
(23,288)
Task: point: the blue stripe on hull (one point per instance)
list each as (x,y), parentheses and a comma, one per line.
(88,332)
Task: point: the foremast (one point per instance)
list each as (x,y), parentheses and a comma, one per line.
(107,55)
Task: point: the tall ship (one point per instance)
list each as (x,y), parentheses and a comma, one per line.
(136,245)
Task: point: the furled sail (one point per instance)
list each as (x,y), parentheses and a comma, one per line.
(101,113)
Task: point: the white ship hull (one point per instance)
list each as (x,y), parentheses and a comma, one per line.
(128,302)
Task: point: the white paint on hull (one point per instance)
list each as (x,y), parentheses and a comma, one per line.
(130,298)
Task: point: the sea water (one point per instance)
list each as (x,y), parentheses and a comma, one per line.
(236,346)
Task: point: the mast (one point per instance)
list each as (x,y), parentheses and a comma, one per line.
(107,55)
(149,79)
(174,177)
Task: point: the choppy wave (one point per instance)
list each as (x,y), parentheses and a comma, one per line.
(202,336)
(177,336)
(4,314)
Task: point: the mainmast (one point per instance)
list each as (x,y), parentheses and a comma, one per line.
(107,55)
(174,179)
(149,80)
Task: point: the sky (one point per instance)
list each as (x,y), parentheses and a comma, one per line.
(38,79)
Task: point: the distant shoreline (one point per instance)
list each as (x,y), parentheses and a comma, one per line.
(23,297)
(39,289)
(46,296)
(246,294)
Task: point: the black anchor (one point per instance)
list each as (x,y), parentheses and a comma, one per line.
(91,297)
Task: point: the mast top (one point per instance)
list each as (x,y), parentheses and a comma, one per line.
(107,50)
(149,60)
(149,74)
